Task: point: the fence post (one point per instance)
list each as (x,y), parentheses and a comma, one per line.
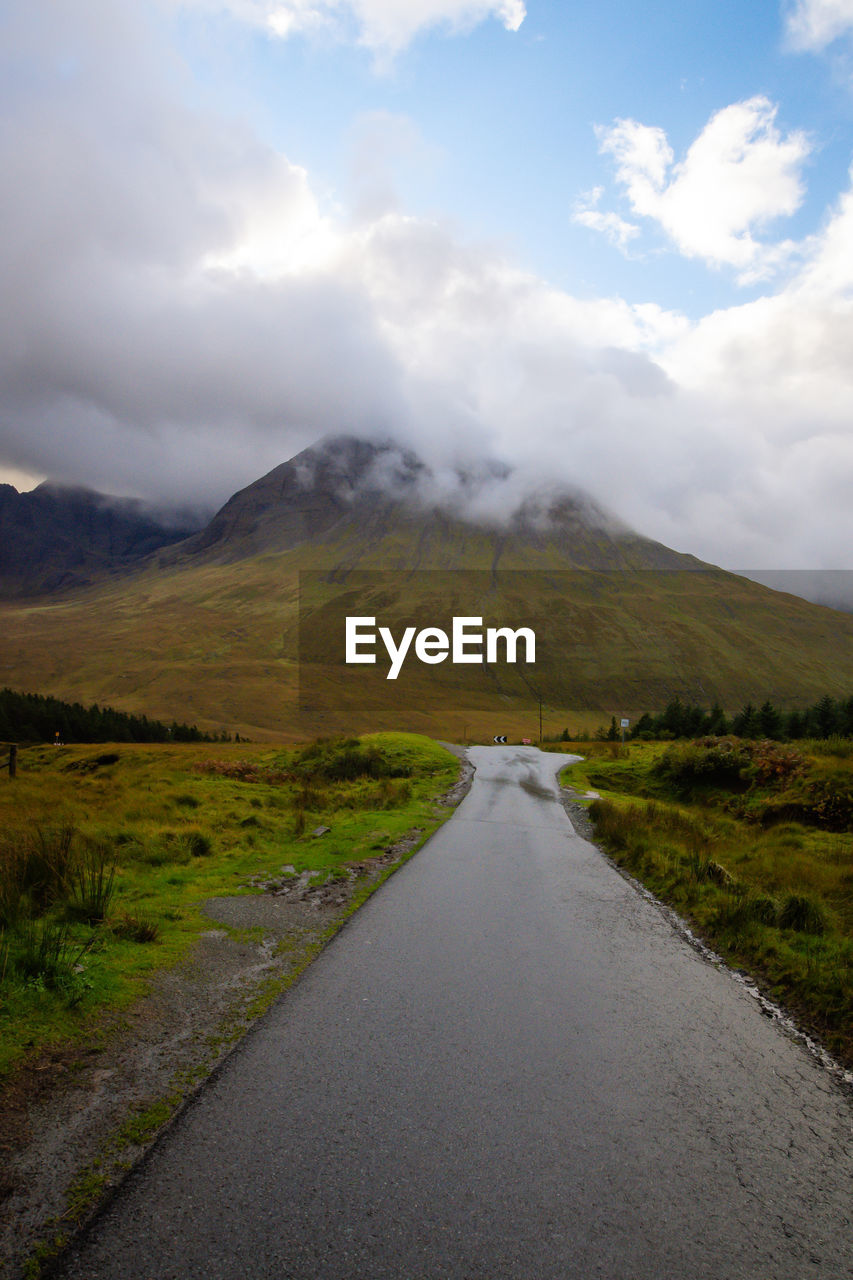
(13,758)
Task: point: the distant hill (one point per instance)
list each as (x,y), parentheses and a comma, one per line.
(56,537)
(832,587)
(207,630)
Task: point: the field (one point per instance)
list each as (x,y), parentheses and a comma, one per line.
(752,844)
(254,646)
(107,852)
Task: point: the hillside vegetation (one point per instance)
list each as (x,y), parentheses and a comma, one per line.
(751,841)
(240,629)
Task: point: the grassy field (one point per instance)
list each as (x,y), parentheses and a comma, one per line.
(106,853)
(752,843)
(220,645)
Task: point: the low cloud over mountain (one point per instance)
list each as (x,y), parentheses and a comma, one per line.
(183,309)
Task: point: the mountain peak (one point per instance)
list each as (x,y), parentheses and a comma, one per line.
(382,506)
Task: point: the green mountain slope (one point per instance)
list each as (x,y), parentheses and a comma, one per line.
(208,631)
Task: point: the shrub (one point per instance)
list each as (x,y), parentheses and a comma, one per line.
(707,762)
(242,771)
(774,765)
(345,760)
(831,802)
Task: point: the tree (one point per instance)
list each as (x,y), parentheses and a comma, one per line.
(770,721)
(795,725)
(746,723)
(826,716)
(718,725)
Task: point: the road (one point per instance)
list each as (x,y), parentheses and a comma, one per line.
(508,1066)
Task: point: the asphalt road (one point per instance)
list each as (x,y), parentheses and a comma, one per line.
(507,1067)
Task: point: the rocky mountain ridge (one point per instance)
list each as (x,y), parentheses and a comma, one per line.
(57,537)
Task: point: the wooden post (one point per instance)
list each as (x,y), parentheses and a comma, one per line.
(13,758)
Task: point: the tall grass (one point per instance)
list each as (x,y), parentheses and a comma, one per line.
(92,883)
(36,861)
(778,902)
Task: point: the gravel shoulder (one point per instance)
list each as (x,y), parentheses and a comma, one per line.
(75,1119)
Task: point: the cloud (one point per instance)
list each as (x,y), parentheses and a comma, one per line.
(814,24)
(384,26)
(180,315)
(384,148)
(738,176)
(586,213)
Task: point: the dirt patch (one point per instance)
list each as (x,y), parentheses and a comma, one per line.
(61,1111)
(64,1138)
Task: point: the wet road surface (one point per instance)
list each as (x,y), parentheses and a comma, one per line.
(507,1067)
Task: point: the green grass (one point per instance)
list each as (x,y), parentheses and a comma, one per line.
(103,867)
(771,894)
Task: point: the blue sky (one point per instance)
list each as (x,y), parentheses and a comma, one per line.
(611,244)
(497,129)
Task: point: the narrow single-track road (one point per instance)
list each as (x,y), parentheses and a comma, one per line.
(508,1066)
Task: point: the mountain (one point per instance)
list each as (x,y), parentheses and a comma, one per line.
(242,624)
(56,537)
(379,506)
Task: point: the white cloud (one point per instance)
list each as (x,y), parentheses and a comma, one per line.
(384,26)
(738,175)
(587,214)
(814,24)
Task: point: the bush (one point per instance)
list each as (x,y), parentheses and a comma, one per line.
(241,771)
(831,802)
(345,760)
(707,762)
(774,765)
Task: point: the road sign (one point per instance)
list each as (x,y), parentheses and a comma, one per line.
(500,737)
(625,723)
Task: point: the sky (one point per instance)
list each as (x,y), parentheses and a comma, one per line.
(608,244)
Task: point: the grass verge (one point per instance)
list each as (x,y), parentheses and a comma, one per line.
(363,795)
(106,856)
(752,844)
